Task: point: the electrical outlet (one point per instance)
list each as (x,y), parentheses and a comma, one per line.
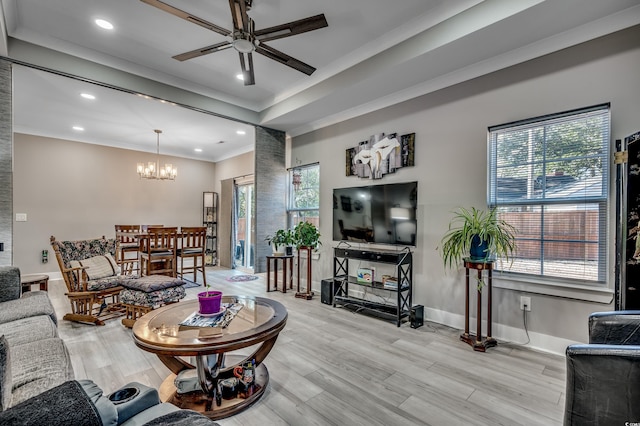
(525,303)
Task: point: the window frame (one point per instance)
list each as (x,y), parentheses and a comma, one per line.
(300,211)
(601,283)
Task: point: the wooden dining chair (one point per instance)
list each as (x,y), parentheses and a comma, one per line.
(157,251)
(127,248)
(193,247)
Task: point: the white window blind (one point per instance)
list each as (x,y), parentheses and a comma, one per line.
(548,177)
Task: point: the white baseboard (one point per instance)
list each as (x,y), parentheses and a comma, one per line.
(539,341)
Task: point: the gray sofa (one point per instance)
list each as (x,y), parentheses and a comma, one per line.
(37,383)
(32,356)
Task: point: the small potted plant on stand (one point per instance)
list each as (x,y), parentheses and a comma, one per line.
(279,240)
(307,237)
(478,235)
(305,234)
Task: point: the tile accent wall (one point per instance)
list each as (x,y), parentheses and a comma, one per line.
(6,164)
(270,186)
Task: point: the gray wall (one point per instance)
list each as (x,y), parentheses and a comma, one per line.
(451,168)
(270,188)
(6,164)
(76,190)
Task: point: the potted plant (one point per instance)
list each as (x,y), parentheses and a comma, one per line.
(281,239)
(305,234)
(209,301)
(478,235)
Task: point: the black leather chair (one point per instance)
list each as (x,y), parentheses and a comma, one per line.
(603,377)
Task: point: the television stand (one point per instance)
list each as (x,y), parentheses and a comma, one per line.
(403,260)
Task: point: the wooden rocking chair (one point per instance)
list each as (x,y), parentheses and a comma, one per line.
(85,266)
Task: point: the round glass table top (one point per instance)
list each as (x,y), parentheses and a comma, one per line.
(254,319)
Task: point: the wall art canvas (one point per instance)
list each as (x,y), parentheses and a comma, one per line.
(380,155)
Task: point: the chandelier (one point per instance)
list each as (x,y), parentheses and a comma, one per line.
(153,171)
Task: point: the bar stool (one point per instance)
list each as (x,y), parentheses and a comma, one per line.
(158,251)
(193,240)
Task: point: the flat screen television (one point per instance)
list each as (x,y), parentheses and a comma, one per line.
(380,214)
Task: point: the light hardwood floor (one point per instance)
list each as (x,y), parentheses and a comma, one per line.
(334,367)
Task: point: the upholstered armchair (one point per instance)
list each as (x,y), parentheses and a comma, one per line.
(603,377)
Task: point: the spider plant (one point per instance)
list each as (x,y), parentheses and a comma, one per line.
(470,227)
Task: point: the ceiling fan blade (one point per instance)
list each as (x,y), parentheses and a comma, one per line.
(187,16)
(239,14)
(292,28)
(285,59)
(247,69)
(203,51)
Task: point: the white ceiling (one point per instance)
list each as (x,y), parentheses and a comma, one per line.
(374,53)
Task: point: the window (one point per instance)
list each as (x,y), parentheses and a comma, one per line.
(548,177)
(304,195)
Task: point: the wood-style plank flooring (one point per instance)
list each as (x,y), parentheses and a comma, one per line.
(331,366)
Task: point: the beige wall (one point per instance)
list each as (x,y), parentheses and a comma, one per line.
(75,190)
(451,170)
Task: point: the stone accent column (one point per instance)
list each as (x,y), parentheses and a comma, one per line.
(6,164)
(270,186)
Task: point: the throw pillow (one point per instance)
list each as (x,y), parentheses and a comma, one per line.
(98,266)
(5,375)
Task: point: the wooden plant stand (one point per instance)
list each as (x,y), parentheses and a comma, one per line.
(308,294)
(476,341)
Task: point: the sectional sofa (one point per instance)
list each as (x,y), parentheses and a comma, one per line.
(37,383)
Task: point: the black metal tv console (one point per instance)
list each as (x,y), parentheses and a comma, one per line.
(403,260)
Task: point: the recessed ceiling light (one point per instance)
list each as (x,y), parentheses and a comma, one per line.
(241,132)
(78,128)
(240,76)
(198,149)
(87,96)
(104,24)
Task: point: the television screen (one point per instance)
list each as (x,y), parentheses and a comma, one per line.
(381,214)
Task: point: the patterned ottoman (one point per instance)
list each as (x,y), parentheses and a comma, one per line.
(143,294)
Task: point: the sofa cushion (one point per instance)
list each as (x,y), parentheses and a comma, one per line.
(5,374)
(37,366)
(10,287)
(182,418)
(28,329)
(31,304)
(151,283)
(101,266)
(64,405)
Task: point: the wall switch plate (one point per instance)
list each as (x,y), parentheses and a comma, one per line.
(525,303)
(21,217)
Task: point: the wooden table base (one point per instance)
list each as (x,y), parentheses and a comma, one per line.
(205,404)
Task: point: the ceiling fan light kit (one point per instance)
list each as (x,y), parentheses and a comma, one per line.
(245,39)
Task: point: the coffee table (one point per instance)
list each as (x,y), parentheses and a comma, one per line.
(258,323)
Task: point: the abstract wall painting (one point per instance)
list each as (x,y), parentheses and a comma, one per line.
(380,155)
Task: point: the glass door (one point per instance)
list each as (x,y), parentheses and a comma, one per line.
(245,229)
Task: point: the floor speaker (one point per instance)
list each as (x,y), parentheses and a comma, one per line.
(326,291)
(416,316)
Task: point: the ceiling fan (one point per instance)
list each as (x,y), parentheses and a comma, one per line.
(245,38)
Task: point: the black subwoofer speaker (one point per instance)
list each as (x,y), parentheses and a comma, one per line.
(416,316)
(326,291)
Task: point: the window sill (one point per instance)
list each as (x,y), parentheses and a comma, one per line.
(585,293)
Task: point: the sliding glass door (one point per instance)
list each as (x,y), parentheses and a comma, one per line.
(245,229)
